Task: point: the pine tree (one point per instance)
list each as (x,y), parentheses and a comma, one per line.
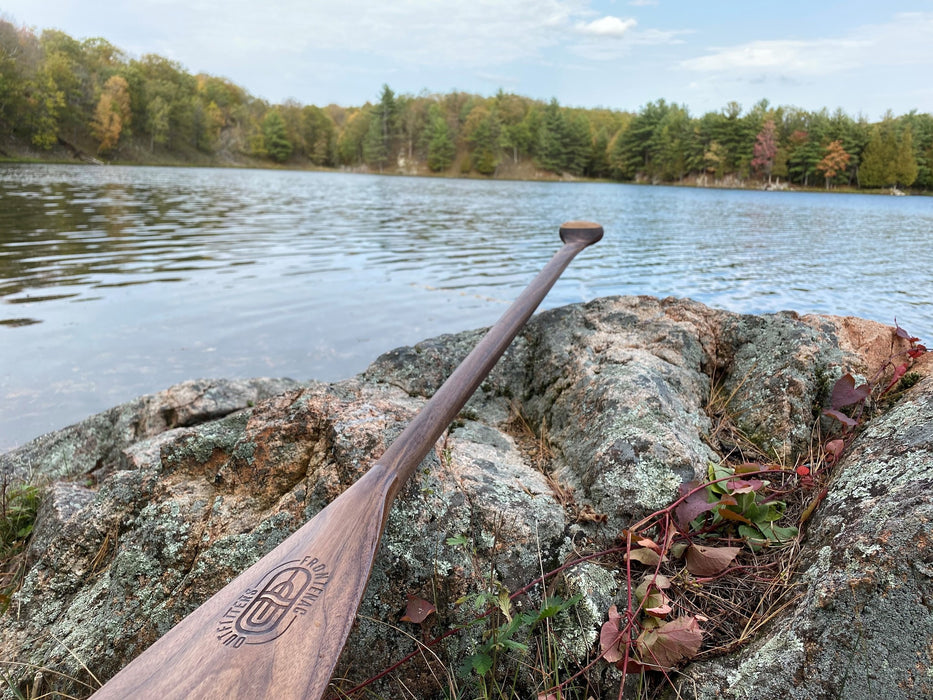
(441,149)
(375,148)
(877,159)
(579,144)
(275,138)
(905,164)
(380,142)
(483,136)
(552,143)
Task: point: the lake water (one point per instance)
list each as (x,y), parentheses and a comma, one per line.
(121,281)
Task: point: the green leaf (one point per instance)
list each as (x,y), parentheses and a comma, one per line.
(554,605)
(753,537)
(481,601)
(784,534)
(505,604)
(715,472)
(459,540)
(512,645)
(480,663)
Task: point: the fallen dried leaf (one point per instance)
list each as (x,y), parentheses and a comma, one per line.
(417,610)
(709,561)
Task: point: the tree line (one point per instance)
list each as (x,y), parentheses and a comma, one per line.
(89,95)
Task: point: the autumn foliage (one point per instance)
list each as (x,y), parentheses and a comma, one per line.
(88,92)
(112,113)
(834,162)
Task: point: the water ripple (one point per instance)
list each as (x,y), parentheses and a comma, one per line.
(187,272)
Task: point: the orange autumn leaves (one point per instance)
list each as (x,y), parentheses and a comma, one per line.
(112,113)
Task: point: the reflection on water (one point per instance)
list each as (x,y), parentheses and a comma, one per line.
(119,281)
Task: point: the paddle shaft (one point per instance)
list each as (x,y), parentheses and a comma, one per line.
(277,630)
(405,454)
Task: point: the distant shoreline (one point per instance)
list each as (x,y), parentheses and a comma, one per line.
(62,155)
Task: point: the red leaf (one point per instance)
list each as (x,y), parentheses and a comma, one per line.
(634,667)
(709,561)
(609,637)
(650,544)
(841,417)
(658,605)
(916,351)
(845,393)
(744,486)
(417,610)
(834,450)
(899,372)
(901,333)
(802,470)
(694,504)
(672,642)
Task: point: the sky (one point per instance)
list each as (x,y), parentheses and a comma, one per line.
(862,56)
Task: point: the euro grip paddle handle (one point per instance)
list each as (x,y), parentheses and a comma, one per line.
(585,232)
(277,630)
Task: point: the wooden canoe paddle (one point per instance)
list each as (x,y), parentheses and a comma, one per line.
(277,630)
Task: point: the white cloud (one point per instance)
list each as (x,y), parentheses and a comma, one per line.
(609,41)
(648,37)
(455,32)
(802,57)
(906,39)
(642,3)
(607,27)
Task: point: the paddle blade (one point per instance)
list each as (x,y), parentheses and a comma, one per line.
(278,629)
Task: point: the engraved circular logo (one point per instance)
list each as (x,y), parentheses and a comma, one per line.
(266,611)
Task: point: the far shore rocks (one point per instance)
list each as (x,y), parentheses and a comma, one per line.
(593,419)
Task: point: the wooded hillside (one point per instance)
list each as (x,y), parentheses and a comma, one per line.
(87,96)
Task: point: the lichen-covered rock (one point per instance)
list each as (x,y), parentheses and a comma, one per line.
(593,418)
(99,440)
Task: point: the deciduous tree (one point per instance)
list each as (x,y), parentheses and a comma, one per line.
(834,162)
(765,150)
(112,114)
(158,115)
